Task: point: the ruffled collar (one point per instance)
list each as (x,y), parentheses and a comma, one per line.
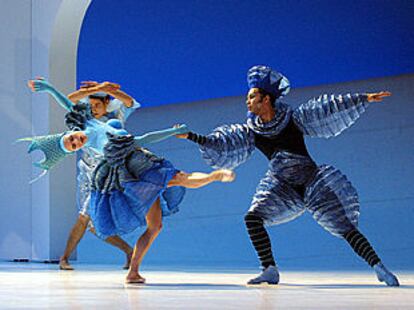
(273,127)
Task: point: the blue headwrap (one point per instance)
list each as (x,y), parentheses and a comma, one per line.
(265,78)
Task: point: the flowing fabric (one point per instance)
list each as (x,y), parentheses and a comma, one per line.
(126,183)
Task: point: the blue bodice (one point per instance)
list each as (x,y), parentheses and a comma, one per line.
(96,131)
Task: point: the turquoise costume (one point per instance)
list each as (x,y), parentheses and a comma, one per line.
(127,180)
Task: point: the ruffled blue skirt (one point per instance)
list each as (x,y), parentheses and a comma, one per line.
(123,192)
(120,212)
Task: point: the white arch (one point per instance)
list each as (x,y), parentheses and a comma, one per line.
(61,186)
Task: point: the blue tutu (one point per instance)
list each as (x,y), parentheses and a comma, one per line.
(126,183)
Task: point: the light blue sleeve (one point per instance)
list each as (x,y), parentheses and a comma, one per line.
(60,98)
(327,116)
(157,136)
(42,85)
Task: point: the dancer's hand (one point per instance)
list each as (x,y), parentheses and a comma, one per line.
(39,84)
(377,97)
(88,84)
(183,131)
(109,87)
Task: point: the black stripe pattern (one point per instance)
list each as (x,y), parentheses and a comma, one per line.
(260,239)
(362,247)
(196,138)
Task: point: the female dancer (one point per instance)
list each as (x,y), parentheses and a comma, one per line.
(130,186)
(97,96)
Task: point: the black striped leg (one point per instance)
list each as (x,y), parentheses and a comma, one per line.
(260,239)
(361,246)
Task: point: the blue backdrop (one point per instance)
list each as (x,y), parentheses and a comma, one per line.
(375,154)
(177,51)
(165,52)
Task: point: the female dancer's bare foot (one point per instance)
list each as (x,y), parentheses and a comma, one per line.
(64,265)
(134,277)
(224,175)
(128,261)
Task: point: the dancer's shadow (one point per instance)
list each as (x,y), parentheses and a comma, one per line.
(345,286)
(185,286)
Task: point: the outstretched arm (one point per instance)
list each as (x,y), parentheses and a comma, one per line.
(227,146)
(39,84)
(192,136)
(157,136)
(327,116)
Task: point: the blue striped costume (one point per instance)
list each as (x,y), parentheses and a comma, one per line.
(293,182)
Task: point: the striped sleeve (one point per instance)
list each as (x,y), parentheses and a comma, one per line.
(328,115)
(228,146)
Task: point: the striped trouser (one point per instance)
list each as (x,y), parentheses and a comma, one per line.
(261,242)
(330,198)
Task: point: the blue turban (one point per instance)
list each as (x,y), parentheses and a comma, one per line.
(265,78)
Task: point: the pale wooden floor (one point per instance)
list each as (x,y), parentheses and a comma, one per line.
(40,286)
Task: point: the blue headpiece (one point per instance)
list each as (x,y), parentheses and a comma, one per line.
(51,146)
(271,81)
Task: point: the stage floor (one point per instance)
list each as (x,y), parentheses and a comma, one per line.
(41,286)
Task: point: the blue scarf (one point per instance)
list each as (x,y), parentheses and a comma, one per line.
(273,127)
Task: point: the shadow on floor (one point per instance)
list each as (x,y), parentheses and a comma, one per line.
(185,286)
(345,286)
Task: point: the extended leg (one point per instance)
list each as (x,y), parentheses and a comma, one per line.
(154,225)
(198,179)
(76,234)
(333,203)
(363,248)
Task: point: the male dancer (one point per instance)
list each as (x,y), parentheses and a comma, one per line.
(293,183)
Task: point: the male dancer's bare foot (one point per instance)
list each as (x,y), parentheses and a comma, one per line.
(224,175)
(134,277)
(128,261)
(64,265)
